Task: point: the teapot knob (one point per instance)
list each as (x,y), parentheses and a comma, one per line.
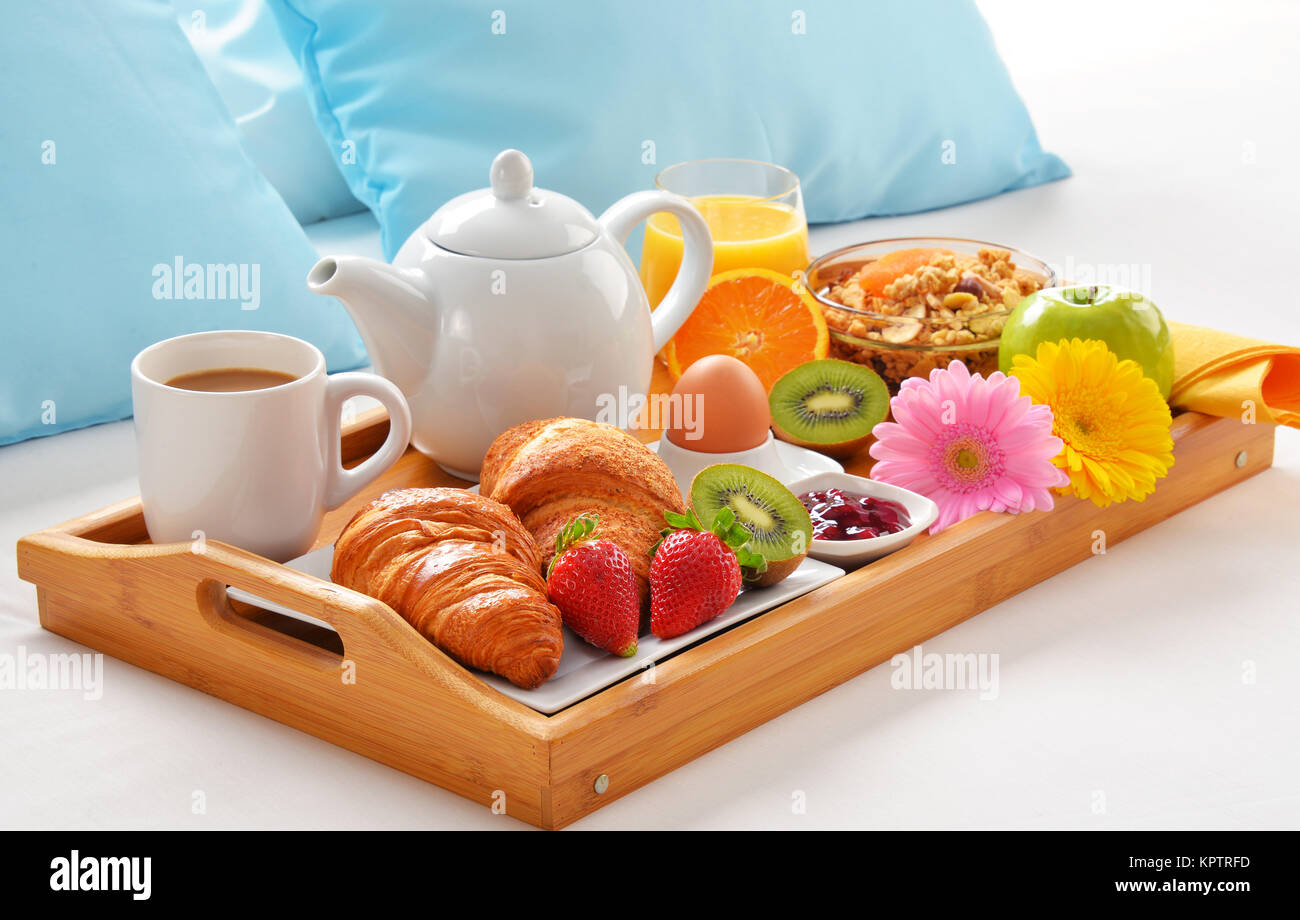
(512,175)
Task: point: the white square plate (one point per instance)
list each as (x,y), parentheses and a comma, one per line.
(585,669)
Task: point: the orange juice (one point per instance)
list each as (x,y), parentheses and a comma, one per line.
(747,232)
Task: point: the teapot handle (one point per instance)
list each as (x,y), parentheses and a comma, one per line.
(697,254)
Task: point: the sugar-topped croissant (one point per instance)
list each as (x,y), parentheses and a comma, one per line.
(551,471)
(463,571)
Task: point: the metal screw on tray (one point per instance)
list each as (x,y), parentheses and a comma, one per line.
(1241,460)
(602,783)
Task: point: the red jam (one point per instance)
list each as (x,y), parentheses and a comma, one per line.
(840,515)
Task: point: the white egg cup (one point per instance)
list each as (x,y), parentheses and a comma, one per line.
(685,463)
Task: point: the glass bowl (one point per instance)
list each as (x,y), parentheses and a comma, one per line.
(926,334)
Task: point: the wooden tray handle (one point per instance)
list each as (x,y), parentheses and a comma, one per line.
(369,629)
(323,602)
(361,622)
(373,635)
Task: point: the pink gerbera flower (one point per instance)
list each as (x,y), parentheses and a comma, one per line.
(969,445)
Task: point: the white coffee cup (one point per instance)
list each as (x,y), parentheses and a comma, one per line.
(256,469)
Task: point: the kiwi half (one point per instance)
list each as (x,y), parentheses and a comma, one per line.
(778,521)
(828,405)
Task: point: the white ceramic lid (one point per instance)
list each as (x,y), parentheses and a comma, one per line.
(512,219)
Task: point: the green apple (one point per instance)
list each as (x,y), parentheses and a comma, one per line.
(1127,322)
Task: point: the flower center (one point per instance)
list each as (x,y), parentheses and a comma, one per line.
(969,459)
(1082,421)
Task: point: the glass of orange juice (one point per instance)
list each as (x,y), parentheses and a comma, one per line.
(754,211)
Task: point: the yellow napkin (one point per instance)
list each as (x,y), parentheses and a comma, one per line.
(1227,375)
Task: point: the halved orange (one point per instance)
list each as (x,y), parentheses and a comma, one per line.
(755,315)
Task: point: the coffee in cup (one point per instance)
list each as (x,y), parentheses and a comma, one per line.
(230,380)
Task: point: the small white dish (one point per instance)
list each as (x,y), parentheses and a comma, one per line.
(849,553)
(784,462)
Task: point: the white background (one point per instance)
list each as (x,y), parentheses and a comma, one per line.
(1121,678)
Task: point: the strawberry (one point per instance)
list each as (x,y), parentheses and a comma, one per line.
(695,571)
(591,580)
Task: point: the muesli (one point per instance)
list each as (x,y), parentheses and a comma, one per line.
(913,310)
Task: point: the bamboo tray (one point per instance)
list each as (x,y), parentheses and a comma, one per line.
(164,608)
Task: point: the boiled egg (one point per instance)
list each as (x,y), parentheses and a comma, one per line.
(718,406)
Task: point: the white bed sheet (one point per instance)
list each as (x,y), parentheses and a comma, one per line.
(1123,700)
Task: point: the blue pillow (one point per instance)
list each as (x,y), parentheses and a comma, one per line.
(259,81)
(880,108)
(130,214)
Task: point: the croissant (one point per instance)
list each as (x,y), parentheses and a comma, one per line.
(463,571)
(551,471)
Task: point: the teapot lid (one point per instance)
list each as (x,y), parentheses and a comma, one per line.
(512,219)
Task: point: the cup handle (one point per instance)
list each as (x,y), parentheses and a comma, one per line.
(697,255)
(341,484)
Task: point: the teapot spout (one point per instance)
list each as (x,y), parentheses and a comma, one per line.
(390,309)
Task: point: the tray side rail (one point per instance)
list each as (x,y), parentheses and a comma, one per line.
(650,724)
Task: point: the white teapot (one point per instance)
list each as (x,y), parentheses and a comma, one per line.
(514,303)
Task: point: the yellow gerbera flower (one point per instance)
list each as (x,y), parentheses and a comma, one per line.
(1112,419)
